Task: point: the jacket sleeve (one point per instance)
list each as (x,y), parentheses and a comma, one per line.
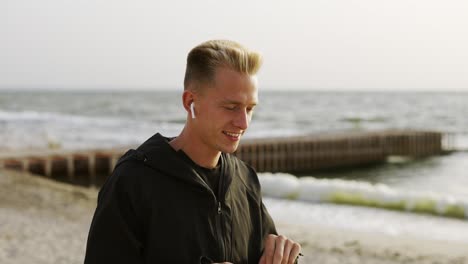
(115,234)
(268,226)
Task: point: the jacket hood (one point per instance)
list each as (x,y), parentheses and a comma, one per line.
(159,155)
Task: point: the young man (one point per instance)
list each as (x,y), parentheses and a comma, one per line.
(187,199)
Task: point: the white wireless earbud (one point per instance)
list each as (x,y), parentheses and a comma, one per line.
(191,110)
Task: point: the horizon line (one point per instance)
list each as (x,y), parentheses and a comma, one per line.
(262,89)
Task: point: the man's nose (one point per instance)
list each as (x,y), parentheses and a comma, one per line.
(242,120)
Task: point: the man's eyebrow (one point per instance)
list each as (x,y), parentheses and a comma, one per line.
(228,101)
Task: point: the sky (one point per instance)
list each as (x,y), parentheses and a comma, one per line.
(376,45)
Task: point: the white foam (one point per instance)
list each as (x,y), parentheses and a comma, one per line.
(280,185)
(365,219)
(287,186)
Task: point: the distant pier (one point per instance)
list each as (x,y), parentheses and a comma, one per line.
(291,154)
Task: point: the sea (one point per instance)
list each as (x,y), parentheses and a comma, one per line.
(42,119)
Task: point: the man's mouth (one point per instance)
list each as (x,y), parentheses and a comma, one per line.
(232,135)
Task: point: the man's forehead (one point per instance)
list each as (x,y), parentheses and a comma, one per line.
(239,96)
(230,87)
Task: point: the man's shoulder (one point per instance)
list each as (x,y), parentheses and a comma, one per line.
(240,165)
(132,161)
(245,172)
(130,169)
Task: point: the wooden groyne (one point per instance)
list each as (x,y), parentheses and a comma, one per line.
(309,153)
(85,167)
(292,154)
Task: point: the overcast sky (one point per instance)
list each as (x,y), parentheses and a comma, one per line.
(311,44)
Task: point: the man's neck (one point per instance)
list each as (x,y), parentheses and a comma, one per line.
(196,150)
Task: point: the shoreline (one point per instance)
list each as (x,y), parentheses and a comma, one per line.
(321,244)
(45,221)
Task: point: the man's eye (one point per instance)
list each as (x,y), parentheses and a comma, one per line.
(231,108)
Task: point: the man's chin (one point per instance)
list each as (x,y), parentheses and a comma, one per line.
(230,149)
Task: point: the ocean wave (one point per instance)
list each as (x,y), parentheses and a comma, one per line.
(287,186)
(36,130)
(25,115)
(22,116)
(370,119)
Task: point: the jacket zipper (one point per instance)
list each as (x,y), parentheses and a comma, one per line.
(219,213)
(220,228)
(219,231)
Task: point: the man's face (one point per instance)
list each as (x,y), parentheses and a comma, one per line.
(224,110)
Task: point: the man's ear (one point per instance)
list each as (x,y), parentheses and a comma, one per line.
(188,98)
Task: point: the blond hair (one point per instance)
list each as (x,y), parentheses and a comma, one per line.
(204,59)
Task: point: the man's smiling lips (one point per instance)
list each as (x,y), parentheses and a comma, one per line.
(232,135)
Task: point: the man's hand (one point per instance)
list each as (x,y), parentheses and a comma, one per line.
(279,250)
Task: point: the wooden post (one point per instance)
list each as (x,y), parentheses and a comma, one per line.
(70,168)
(113,162)
(92,168)
(48,167)
(25,164)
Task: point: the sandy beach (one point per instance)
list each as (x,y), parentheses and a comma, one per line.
(326,245)
(43,221)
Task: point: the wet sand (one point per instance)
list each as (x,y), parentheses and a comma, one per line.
(43,221)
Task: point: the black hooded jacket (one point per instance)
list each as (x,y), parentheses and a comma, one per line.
(155,208)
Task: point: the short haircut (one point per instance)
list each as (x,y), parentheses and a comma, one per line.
(204,59)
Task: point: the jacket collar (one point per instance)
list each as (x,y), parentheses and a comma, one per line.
(163,158)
